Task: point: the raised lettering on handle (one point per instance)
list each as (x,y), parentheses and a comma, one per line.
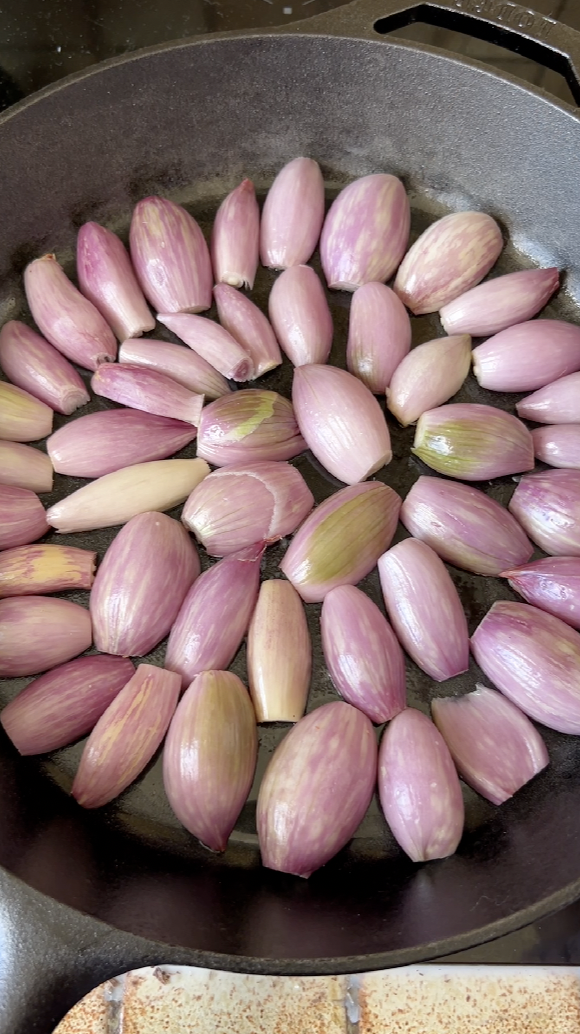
(511,15)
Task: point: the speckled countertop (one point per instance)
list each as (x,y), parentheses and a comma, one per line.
(414,1000)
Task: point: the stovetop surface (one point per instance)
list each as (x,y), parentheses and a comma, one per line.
(43,40)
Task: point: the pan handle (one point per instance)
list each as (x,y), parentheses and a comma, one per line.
(542,39)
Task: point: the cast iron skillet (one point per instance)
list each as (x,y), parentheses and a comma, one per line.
(189,120)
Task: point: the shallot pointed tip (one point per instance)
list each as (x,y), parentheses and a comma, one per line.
(235,237)
(341,421)
(126,736)
(341,540)
(215,722)
(316,789)
(450,257)
(495,747)
(170,257)
(419,790)
(473,442)
(293,214)
(107,279)
(242,504)
(365,232)
(67,319)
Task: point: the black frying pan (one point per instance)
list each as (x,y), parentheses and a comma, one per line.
(189,120)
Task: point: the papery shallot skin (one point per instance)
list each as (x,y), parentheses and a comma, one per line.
(362,654)
(379,335)
(235,237)
(558,445)
(316,789)
(557,403)
(473,442)
(39,632)
(22,517)
(64,704)
(67,319)
(342,539)
(464,526)
(547,505)
(115,498)
(495,747)
(107,279)
(212,342)
(241,504)
(534,659)
(528,355)
(180,363)
(365,232)
(126,736)
(424,608)
(428,376)
(293,214)
(103,442)
(300,316)
(419,789)
(170,257)
(341,422)
(248,426)
(141,584)
(210,756)
(23,418)
(552,584)
(279,653)
(34,570)
(248,325)
(34,365)
(215,615)
(449,258)
(25,467)
(147,390)
(500,303)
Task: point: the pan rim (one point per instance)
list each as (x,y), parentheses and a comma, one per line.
(234,35)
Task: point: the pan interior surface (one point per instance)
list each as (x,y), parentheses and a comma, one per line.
(189,122)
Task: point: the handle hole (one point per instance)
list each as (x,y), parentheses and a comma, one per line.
(535,62)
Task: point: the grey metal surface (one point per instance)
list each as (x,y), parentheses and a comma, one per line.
(40,42)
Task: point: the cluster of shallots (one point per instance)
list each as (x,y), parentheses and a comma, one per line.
(149,584)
